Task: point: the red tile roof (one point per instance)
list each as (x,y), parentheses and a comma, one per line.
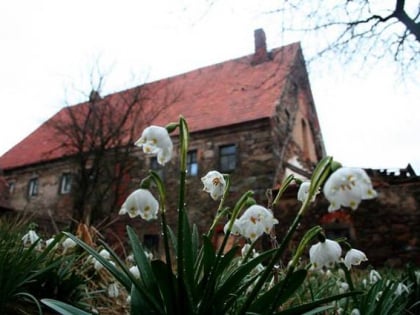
(223,94)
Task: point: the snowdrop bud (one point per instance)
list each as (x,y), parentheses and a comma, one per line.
(355,311)
(135,271)
(49,241)
(68,244)
(374,276)
(105,254)
(97,264)
(343,287)
(401,288)
(304,191)
(113,290)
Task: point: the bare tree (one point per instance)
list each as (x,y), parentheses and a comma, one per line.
(369,29)
(97,137)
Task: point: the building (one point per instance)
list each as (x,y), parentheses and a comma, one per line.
(252,117)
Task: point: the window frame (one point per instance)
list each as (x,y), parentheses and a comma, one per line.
(66,180)
(192,163)
(225,166)
(33,187)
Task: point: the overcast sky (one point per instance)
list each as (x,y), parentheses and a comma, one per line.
(49,48)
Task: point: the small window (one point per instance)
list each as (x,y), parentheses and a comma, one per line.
(65,183)
(155,166)
(151,242)
(192,165)
(33,187)
(227,156)
(12,186)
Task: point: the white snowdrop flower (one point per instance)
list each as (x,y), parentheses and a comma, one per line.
(128,300)
(374,276)
(354,257)
(105,254)
(130,258)
(135,271)
(214,183)
(235,230)
(417,275)
(97,264)
(255,221)
(140,202)
(325,254)
(49,241)
(343,287)
(68,244)
(30,238)
(304,191)
(348,187)
(149,255)
(355,311)
(156,140)
(113,290)
(364,283)
(401,288)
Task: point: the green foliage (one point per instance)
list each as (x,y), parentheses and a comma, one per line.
(29,273)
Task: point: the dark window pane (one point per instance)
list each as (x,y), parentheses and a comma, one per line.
(65,183)
(33,187)
(227,158)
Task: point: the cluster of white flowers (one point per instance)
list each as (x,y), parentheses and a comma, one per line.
(96,263)
(328,252)
(347,187)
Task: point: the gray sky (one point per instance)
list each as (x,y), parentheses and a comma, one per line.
(49,48)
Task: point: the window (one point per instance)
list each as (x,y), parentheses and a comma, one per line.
(192,165)
(227,157)
(65,183)
(151,242)
(155,166)
(12,186)
(33,187)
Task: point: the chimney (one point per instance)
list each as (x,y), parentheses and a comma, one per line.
(94,96)
(260,54)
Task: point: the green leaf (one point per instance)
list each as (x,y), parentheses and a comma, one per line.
(142,262)
(188,255)
(319,310)
(301,309)
(173,239)
(209,255)
(279,293)
(236,279)
(63,308)
(166,282)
